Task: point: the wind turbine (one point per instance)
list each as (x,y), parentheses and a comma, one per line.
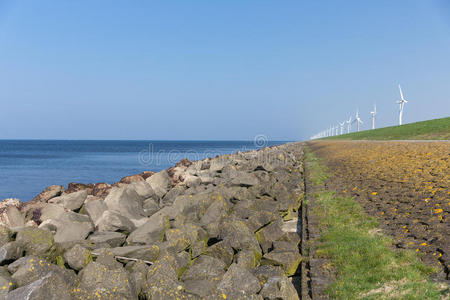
(349,124)
(357,120)
(342,127)
(401,103)
(373,113)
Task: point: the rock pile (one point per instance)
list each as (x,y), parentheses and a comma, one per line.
(210,229)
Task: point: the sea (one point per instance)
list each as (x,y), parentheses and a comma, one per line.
(28,166)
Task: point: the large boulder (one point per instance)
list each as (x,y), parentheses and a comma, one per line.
(50,211)
(113,221)
(159,182)
(162,280)
(50,286)
(49,193)
(69,226)
(275,284)
(270,233)
(95,209)
(150,232)
(239,280)
(127,202)
(72,201)
(6,282)
(37,241)
(113,239)
(5,235)
(145,252)
(10,215)
(97,279)
(10,252)
(31,268)
(77,257)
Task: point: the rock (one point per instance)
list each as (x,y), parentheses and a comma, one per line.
(183,236)
(162,281)
(150,232)
(138,274)
(236,233)
(244,179)
(222,251)
(69,226)
(217,210)
(95,209)
(217,165)
(31,268)
(150,206)
(50,286)
(36,241)
(78,257)
(107,258)
(101,189)
(10,252)
(267,235)
(192,180)
(50,211)
(170,196)
(10,215)
(200,287)
(113,239)
(146,252)
(113,221)
(132,178)
(127,202)
(143,189)
(72,201)
(247,259)
(205,267)
(276,286)
(75,187)
(260,218)
(289,260)
(97,279)
(147,174)
(49,193)
(5,235)
(159,182)
(6,282)
(238,280)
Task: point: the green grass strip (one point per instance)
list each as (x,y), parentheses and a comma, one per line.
(365,261)
(437,129)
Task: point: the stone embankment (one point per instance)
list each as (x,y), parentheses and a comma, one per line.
(212,229)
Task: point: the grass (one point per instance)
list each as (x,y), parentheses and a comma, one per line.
(437,129)
(366,264)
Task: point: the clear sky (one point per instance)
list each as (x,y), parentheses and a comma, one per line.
(217,69)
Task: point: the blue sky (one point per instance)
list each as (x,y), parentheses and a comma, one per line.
(217,70)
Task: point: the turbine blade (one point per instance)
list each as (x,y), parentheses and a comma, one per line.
(401,93)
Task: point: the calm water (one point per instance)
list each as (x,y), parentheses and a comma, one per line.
(28,166)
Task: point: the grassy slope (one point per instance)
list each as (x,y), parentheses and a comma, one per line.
(437,129)
(367,265)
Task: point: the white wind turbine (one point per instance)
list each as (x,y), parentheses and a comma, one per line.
(401,103)
(373,113)
(357,120)
(337,129)
(349,124)
(342,127)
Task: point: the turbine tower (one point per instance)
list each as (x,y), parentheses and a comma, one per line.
(401,103)
(342,127)
(349,124)
(357,120)
(373,113)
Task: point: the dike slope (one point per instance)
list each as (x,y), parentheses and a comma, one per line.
(210,229)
